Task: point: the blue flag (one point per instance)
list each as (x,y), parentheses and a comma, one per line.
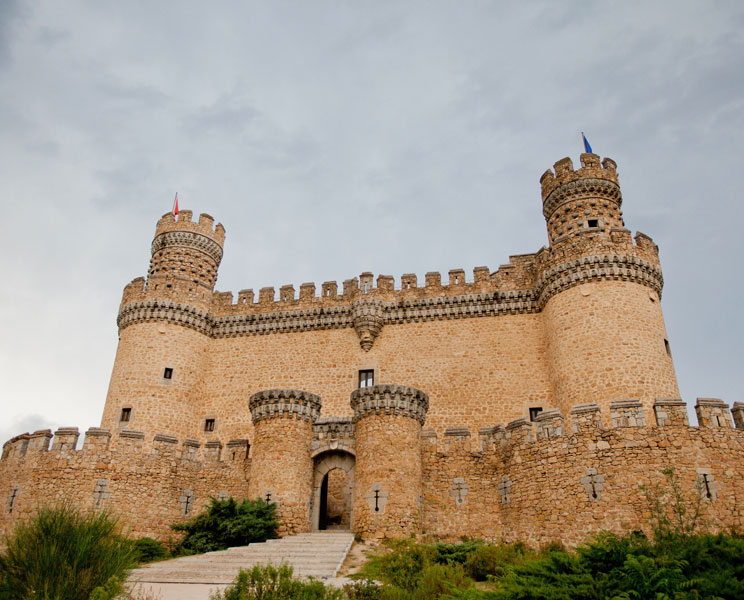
(587,147)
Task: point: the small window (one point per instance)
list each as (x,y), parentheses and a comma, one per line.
(534,411)
(209,425)
(667,347)
(126,413)
(593,223)
(168,373)
(366,378)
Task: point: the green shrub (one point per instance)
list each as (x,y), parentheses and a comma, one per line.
(495,561)
(275,583)
(147,550)
(63,553)
(399,564)
(438,580)
(363,590)
(228,523)
(445,554)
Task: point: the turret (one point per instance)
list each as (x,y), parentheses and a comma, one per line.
(282,468)
(600,294)
(586,200)
(164,331)
(186,255)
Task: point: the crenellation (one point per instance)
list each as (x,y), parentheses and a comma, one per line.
(457,439)
(671,412)
(16,447)
(481,276)
(190,449)
(408,281)
(129,441)
(712,412)
(66,438)
(433,279)
(97,440)
(307,292)
(212,451)
(39,440)
(245,297)
(238,450)
(519,431)
(456,277)
(737,412)
(549,424)
(330,289)
(586,418)
(627,413)
(385,283)
(286,293)
(164,444)
(266,295)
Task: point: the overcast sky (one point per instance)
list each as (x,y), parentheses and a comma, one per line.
(336,137)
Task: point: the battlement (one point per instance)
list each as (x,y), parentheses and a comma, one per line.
(625,415)
(100,442)
(563,172)
(204,226)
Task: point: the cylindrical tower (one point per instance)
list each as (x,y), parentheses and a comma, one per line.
(387,490)
(164,331)
(600,294)
(282,467)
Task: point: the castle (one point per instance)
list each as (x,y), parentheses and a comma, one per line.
(531,402)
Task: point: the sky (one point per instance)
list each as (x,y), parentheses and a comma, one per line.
(336,137)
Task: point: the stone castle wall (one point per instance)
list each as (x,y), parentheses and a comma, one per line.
(563,477)
(148,489)
(577,478)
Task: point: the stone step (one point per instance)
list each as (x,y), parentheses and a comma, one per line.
(317,555)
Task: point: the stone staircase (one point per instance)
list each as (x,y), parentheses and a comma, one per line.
(318,554)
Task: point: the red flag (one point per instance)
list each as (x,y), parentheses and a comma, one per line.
(175,208)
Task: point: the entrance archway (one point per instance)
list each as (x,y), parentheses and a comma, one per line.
(333,484)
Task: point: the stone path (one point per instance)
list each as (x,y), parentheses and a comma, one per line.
(318,554)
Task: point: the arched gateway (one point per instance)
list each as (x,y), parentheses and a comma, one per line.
(333,486)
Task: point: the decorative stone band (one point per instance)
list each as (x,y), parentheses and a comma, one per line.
(593,268)
(329,317)
(367,316)
(389,400)
(290,404)
(590,187)
(169,312)
(188,239)
(333,427)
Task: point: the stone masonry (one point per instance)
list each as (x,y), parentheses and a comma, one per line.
(527,402)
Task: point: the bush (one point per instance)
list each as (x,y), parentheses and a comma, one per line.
(399,564)
(63,553)
(147,550)
(445,554)
(275,583)
(491,561)
(228,523)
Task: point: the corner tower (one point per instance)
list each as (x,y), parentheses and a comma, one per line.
(164,330)
(600,291)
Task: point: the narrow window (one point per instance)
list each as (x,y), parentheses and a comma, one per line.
(534,411)
(667,347)
(168,373)
(209,425)
(593,223)
(126,413)
(366,378)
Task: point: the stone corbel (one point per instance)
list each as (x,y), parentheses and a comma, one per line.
(367,314)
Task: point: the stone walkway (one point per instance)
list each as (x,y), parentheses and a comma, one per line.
(319,555)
